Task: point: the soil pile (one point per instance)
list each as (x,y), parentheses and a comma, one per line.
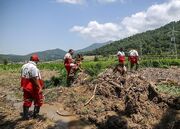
(130,101)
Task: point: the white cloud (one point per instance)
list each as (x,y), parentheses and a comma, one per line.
(154,17)
(110,1)
(83,1)
(70,1)
(98,32)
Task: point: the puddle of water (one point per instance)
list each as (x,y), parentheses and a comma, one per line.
(67,121)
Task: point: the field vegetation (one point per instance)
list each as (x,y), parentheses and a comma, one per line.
(93,66)
(97,64)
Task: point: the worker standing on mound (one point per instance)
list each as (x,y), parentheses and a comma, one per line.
(134,59)
(120,67)
(32,85)
(121,57)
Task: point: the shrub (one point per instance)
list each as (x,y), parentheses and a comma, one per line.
(57,81)
(155,63)
(93,69)
(5,61)
(96,58)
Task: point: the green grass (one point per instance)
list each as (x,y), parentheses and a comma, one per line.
(93,68)
(102,63)
(51,66)
(161,63)
(57,81)
(10,67)
(169,89)
(17,67)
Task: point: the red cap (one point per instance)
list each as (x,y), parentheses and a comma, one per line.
(35,57)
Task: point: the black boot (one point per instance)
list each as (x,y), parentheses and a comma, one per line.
(25,113)
(36,111)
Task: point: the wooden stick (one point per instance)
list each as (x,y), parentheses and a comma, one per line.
(63,114)
(94,92)
(89,100)
(115,84)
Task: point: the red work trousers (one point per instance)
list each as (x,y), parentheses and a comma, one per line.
(33,96)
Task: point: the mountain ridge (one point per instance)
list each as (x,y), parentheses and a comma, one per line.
(93,47)
(48,55)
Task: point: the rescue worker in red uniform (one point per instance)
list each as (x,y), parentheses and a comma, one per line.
(134,59)
(32,85)
(69,63)
(121,57)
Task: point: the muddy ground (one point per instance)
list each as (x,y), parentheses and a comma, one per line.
(119,102)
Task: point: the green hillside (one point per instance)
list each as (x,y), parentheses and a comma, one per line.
(50,55)
(47,55)
(154,42)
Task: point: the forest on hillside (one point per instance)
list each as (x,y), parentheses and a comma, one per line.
(153,42)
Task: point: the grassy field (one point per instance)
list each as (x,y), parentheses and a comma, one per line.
(100,63)
(91,65)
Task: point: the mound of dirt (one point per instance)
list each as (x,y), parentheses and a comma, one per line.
(130,101)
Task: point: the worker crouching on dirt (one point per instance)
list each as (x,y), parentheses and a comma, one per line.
(32,87)
(134,59)
(69,63)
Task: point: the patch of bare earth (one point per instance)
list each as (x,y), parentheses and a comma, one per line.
(10,96)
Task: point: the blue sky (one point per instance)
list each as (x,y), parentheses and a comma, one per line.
(35,25)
